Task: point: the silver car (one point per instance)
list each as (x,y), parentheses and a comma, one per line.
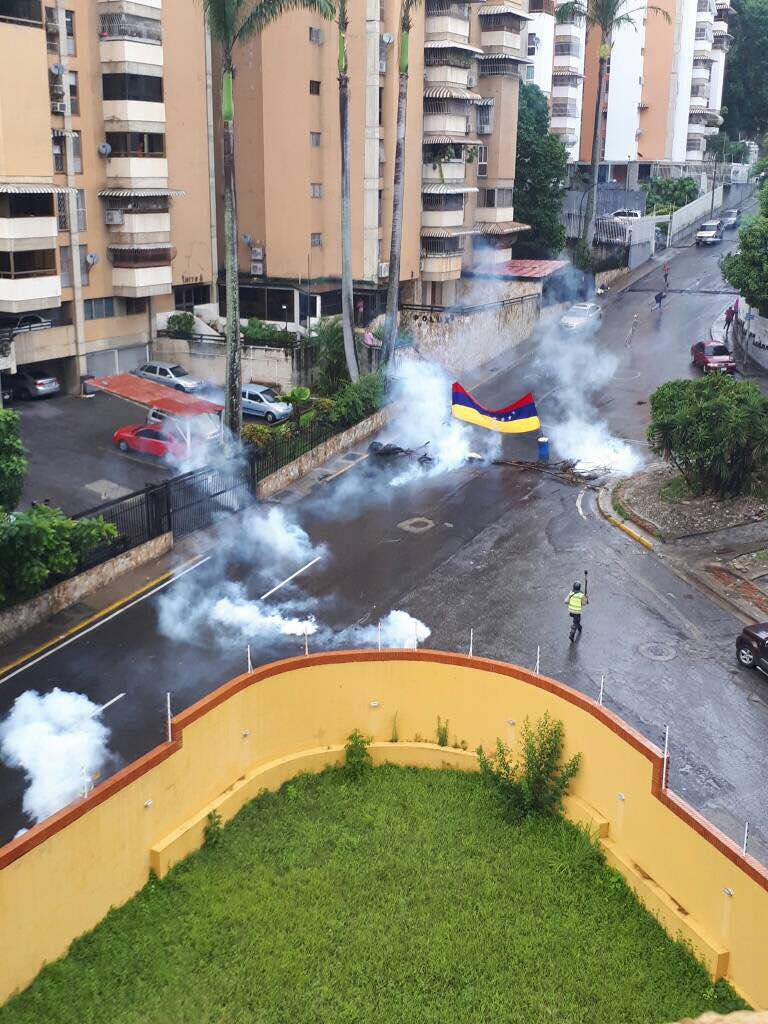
(263,402)
(581,316)
(30,382)
(730,218)
(170,374)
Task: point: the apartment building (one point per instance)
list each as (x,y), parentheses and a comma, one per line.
(105,179)
(460,155)
(665,87)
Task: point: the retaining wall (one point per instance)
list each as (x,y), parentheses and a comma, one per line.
(24,616)
(261,364)
(60,878)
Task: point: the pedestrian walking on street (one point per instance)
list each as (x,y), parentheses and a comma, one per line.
(658,298)
(730,313)
(576,601)
(665,272)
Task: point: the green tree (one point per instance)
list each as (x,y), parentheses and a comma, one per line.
(331,358)
(664,194)
(605,17)
(13,461)
(745,93)
(747,268)
(347,288)
(233,22)
(407,7)
(539,177)
(714,430)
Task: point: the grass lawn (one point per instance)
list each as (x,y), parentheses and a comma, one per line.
(403,898)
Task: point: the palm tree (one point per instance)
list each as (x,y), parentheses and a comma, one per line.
(232,22)
(606,16)
(346,217)
(407,8)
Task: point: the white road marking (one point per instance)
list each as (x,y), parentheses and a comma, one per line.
(582,492)
(90,629)
(293,576)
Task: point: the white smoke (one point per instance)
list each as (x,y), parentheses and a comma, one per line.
(59,742)
(397,629)
(282,545)
(256,620)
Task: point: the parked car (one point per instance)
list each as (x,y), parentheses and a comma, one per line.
(709,233)
(730,219)
(263,402)
(149,440)
(752,646)
(170,374)
(205,427)
(31,382)
(712,357)
(625,214)
(581,316)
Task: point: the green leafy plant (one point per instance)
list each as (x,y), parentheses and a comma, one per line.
(299,399)
(357,760)
(393,736)
(181,323)
(212,831)
(356,401)
(536,782)
(442,731)
(257,436)
(747,268)
(665,194)
(13,461)
(257,332)
(581,255)
(540,172)
(331,359)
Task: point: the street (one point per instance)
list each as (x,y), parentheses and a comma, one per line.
(494,549)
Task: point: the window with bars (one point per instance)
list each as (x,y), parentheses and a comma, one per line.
(316,190)
(65,260)
(314,87)
(52,43)
(530,71)
(74,93)
(315,138)
(130,26)
(136,143)
(485,119)
(316,239)
(482,161)
(316,36)
(533,43)
(77,153)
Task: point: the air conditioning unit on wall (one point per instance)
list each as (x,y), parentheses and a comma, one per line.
(58,108)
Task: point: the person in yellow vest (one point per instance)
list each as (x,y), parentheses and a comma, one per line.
(576,601)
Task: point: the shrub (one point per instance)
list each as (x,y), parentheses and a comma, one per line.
(257,436)
(357,760)
(181,323)
(13,462)
(537,783)
(582,255)
(331,360)
(259,333)
(212,830)
(355,401)
(669,192)
(41,544)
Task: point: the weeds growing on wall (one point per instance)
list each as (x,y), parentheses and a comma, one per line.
(442,731)
(212,831)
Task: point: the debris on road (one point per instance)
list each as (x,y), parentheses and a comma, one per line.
(565,470)
(391,450)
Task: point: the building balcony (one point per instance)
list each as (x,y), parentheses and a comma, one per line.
(702,46)
(569,30)
(709,129)
(568,136)
(137,282)
(705,17)
(444,266)
(54,342)
(121,52)
(700,74)
(498,39)
(698,102)
(491,256)
(18,233)
(440,123)
(449,172)
(494,214)
(141,228)
(128,112)
(568,62)
(693,156)
(695,129)
(443,218)
(446,26)
(144,171)
(445,74)
(565,92)
(21,292)
(720,27)
(129,6)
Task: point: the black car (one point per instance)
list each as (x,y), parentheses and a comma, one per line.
(752,646)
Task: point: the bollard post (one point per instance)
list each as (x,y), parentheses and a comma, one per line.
(250,663)
(602,684)
(471,640)
(168,716)
(538,658)
(665,768)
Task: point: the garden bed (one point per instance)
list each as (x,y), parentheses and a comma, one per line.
(404,896)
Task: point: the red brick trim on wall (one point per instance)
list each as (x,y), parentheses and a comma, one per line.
(40,833)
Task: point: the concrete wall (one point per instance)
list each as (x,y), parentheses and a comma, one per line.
(61,877)
(261,364)
(24,616)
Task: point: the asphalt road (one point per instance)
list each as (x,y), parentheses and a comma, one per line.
(498,552)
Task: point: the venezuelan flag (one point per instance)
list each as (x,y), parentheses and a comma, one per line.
(518,418)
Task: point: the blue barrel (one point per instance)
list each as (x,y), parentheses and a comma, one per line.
(543,449)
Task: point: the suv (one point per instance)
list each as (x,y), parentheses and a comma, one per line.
(752,646)
(709,233)
(170,374)
(31,382)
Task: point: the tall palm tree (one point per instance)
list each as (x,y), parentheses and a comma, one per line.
(232,22)
(407,8)
(604,16)
(347,305)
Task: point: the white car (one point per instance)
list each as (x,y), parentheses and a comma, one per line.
(581,317)
(170,374)
(710,233)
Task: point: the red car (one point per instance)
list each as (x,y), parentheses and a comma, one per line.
(712,357)
(150,441)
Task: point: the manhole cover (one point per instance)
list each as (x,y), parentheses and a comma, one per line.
(657,651)
(419,524)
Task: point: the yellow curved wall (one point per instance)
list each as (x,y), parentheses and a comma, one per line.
(60,878)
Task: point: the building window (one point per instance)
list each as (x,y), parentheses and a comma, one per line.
(485,119)
(136,143)
(99,309)
(57,144)
(52,43)
(314,87)
(495,197)
(316,190)
(142,88)
(77,153)
(65,259)
(62,212)
(530,71)
(533,43)
(567,48)
(135,306)
(82,221)
(74,93)
(69,21)
(22,12)
(315,139)
(316,36)
(34,263)
(382,152)
(482,161)
(316,239)
(381,106)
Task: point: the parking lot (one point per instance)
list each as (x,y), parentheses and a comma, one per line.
(72,461)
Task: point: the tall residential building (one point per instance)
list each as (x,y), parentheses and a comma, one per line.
(460,154)
(664,91)
(105,178)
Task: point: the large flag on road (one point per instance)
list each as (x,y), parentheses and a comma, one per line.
(518,418)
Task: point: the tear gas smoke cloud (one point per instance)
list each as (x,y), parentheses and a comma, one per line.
(398,629)
(59,742)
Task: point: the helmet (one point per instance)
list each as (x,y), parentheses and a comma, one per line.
(577,586)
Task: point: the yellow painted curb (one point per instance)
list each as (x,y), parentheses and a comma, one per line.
(623,527)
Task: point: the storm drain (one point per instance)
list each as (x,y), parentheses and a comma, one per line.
(419,524)
(657,651)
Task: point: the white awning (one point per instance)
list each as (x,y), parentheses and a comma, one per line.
(449,140)
(505,9)
(145,246)
(63,133)
(505,56)
(129,193)
(17,188)
(446,44)
(444,92)
(507,227)
(485,101)
(447,190)
(447,232)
